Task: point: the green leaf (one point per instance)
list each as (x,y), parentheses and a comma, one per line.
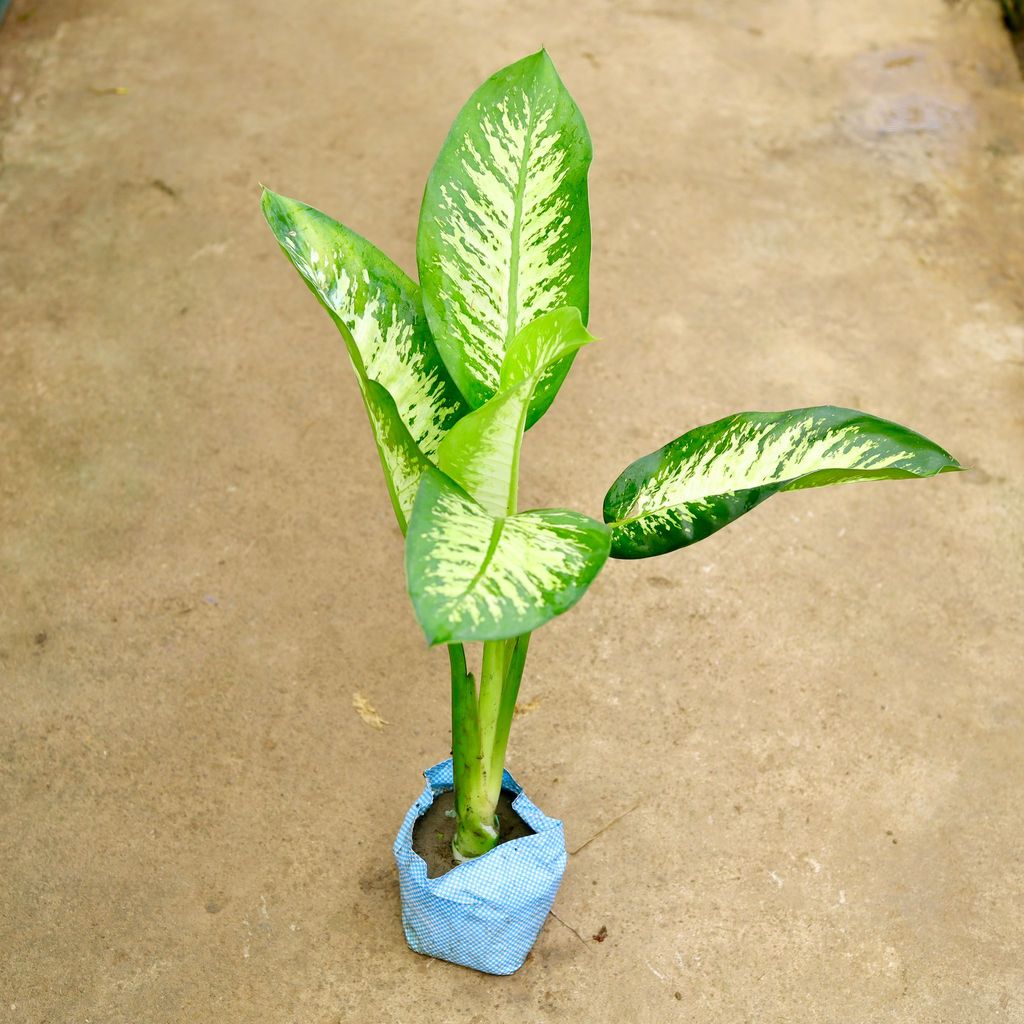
(401,458)
(472,576)
(504,232)
(380,315)
(481,452)
(712,475)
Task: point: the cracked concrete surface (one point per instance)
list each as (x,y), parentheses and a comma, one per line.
(815,715)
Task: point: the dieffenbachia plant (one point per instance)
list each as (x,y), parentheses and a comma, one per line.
(454,370)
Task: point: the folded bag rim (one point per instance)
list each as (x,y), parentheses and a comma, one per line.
(439,779)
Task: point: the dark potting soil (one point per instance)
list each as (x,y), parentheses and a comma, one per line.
(433,833)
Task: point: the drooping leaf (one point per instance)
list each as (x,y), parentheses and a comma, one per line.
(473,576)
(481,452)
(379,312)
(504,232)
(712,475)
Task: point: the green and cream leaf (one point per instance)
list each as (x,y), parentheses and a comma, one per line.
(473,576)
(481,452)
(379,312)
(400,457)
(504,232)
(710,476)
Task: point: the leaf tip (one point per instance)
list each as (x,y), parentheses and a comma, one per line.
(437,639)
(436,633)
(540,62)
(269,200)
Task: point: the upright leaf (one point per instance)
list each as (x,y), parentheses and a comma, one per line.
(379,312)
(504,231)
(481,452)
(472,576)
(712,475)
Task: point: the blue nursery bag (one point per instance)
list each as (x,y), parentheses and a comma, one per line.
(485,913)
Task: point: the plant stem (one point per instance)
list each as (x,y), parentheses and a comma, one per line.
(492,679)
(480,731)
(477,825)
(465,741)
(509,693)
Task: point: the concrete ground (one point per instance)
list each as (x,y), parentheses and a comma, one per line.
(811,723)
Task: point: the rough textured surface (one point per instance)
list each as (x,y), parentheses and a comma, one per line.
(813,719)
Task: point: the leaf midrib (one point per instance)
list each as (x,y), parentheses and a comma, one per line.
(777,484)
(512,317)
(499,525)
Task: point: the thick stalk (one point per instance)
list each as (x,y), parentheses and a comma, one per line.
(492,680)
(480,730)
(506,710)
(476,832)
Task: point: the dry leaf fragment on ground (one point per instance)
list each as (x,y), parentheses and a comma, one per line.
(367,712)
(524,708)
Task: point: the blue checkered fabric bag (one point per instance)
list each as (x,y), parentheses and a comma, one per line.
(487,912)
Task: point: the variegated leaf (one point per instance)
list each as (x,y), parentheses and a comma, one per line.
(504,231)
(712,475)
(481,452)
(472,576)
(379,312)
(401,458)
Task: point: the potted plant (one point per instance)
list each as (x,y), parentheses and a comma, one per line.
(452,372)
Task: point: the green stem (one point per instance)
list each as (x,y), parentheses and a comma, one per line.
(507,709)
(480,730)
(465,738)
(476,832)
(492,679)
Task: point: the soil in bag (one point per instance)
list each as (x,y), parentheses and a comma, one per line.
(433,833)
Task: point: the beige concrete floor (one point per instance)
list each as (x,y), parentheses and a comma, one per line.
(813,719)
